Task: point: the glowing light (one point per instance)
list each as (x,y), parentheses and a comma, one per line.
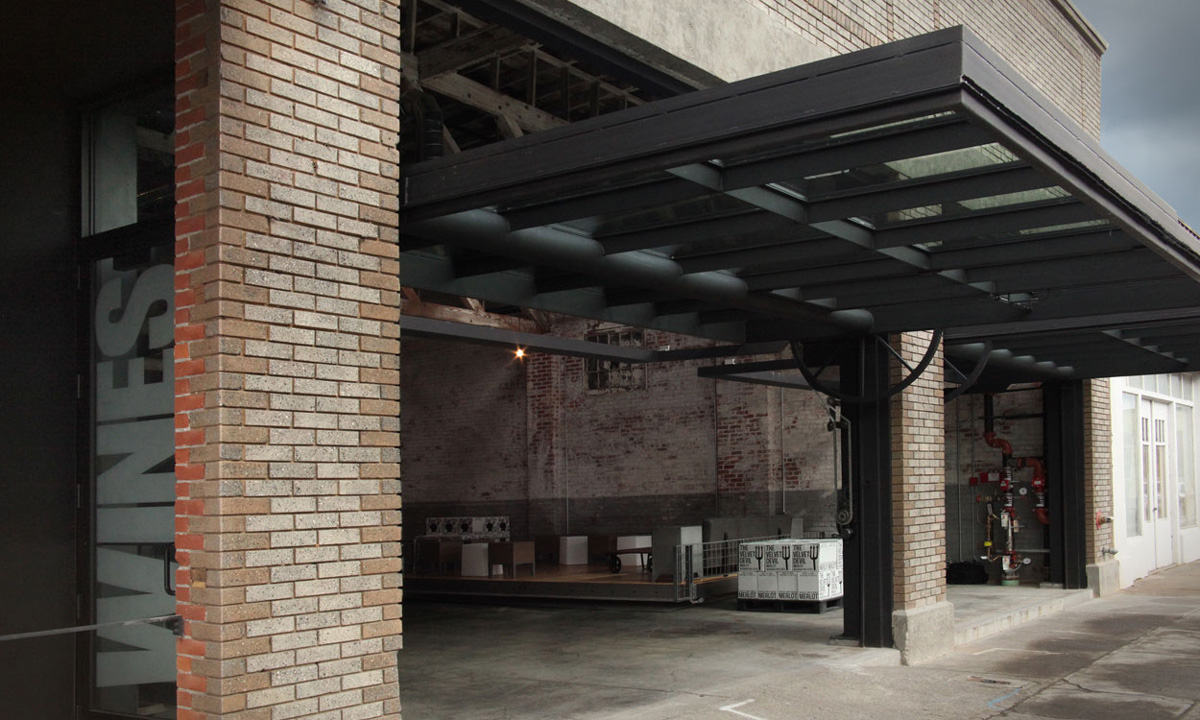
(520,353)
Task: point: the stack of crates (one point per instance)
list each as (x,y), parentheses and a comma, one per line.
(790,570)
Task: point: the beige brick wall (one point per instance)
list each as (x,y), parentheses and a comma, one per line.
(918,478)
(1098,466)
(287,359)
(1041,40)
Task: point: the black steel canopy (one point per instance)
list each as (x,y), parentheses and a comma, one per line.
(920,184)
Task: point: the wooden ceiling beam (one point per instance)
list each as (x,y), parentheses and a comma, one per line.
(469,49)
(468,316)
(481,97)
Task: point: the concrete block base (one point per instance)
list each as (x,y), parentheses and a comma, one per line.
(1104,578)
(924,633)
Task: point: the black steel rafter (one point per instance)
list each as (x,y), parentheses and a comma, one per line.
(946,188)
(780,204)
(765,208)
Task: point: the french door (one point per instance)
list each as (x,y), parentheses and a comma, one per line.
(1158,480)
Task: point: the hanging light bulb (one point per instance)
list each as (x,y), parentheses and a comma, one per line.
(520,353)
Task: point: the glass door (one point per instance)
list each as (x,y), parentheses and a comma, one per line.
(127,661)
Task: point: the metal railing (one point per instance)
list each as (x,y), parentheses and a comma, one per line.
(175,622)
(698,563)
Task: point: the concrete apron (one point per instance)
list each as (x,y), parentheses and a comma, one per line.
(984,610)
(973,612)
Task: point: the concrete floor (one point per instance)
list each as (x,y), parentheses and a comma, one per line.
(1133,655)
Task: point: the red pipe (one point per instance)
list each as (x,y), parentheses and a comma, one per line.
(1039,486)
(1039,471)
(993,441)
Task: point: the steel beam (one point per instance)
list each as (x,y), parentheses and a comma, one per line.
(488,232)
(868,551)
(984,222)
(789,381)
(899,143)
(1065,458)
(816,248)
(535,342)
(1031,248)
(1097,307)
(883,299)
(674,234)
(519,289)
(609,202)
(869,268)
(940,189)
(909,79)
(1084,270)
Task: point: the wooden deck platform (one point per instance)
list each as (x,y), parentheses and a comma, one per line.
(550,581)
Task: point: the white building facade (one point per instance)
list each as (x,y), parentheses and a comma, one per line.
(1155,518)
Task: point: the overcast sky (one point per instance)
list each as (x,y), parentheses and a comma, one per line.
(1150,99)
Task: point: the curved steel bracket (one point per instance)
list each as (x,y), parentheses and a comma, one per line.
(814,381)
(969,380)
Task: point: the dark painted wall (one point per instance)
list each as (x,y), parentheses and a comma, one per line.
(37,406)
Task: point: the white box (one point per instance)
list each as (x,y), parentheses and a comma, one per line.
(751,565)
(817,571)
(664,542)
(475,559)
(573,550)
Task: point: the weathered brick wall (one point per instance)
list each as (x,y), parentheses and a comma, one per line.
(463,432)
(810,463)
(530,441)
(745,445)
(1098,467)
(287,359)
(463,413)
(918,479)
(1038,37)
(655,440)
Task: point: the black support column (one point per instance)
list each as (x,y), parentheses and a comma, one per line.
(1064,456)
(868,549)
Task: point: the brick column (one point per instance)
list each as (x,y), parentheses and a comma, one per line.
(287,359)
(1102,570)
(923,622)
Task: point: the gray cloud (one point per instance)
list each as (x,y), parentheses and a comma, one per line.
(1150,117)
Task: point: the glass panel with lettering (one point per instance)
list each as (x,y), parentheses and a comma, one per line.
(133,485)
(127,200)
